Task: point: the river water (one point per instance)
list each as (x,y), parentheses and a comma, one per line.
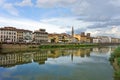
(58,64)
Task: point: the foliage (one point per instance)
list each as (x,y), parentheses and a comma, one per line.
(117,52)
(116,55)
(118,61)
(117,75)
(66,46)
(112,57)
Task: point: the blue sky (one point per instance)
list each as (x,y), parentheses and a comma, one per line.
(99,17)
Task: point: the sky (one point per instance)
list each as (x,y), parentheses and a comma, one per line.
(98,17)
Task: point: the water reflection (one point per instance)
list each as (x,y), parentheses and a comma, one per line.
(58,64)
(12,59)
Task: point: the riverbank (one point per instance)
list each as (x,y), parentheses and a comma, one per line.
(115,60)
(9,48)
(66,46)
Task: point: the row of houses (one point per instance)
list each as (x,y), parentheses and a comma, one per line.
(14,35)
(11,35)
(105,39)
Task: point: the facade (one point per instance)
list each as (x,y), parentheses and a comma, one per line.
(40,36)
(82,38)
(96,40)
(106,39)
(13,35)
(8,34)
(115,40)
(19,35)
(24,35)
(53,38)
(27,36)
(59,38)
(102,39)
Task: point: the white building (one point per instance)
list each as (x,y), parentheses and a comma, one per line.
(96,40)
(27,36)
(102,39)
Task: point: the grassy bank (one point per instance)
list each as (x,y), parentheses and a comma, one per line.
(115,60)
(66,46)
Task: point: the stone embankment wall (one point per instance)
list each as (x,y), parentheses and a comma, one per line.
(4,48)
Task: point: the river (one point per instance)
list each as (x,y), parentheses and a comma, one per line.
(58,64)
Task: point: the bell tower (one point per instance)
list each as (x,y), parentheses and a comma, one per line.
(72,32)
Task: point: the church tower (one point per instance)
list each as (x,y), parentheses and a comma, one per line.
(72,32)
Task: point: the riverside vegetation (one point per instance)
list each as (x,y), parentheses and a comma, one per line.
(5,48)
(67,46)
(115,60)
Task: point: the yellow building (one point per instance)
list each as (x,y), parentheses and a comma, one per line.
(57,38)
(82,38)
(19,35)
(54,38)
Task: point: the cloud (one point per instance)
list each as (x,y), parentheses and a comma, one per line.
(96,10)
(66,22)
(93,10)
(115,3)
(1,2)
(10,9)
(29,25)
(54,3)
(95,16)
(105,24)
(25,3)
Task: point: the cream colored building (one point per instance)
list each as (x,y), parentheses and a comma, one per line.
(13,35)
(8,34)
(40,36)
(115,40)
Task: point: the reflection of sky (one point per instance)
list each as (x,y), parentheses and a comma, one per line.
(94,67)
(95,57)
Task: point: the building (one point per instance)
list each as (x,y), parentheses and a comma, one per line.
(8,34)
(72,32)
(24,35)
(102,39)
(82,38)
(53,38)
(106,39)
(27,36)
(96,40)
(13,35)
(40,36)
(115,40)
(20,35)
(59,38)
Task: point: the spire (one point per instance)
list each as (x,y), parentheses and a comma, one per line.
(72,32)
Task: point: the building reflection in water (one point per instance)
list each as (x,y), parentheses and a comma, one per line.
(10,60)
(103,50)
(83,52)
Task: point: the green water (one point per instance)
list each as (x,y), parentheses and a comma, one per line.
(58,64)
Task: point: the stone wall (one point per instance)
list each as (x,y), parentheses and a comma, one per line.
(17,47)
